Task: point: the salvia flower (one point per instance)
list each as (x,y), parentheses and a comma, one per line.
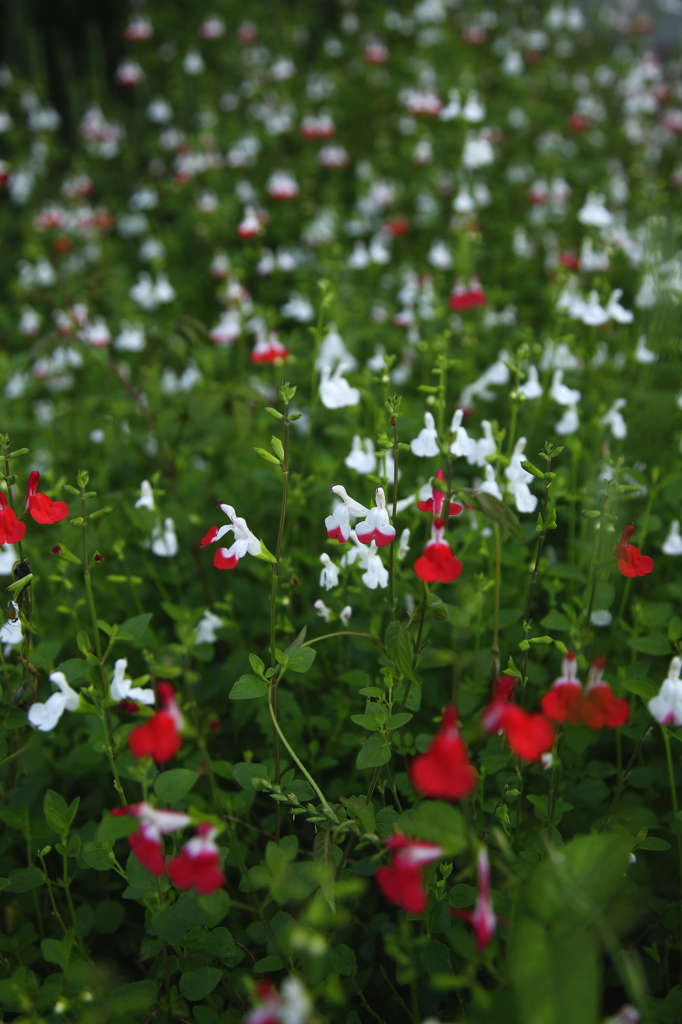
(483,917)
(600,706)
(161,737)
(401,883)
(197,866)
(438,564)
(45,716)
(291,1005)
(329,577)
(444,771)
(528,735)
(244,542)
(630,561)
(11,530)
(672,545)
(376,573)
(121,688)
(666,706)
(376,525)
(562,702)
(435,503)
(425,445)
(147,843)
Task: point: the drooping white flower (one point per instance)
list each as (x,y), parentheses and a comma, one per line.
(375,574)
(644,355)
(531,387)
(205,633)
(335,391)
(45,716)
(121,688)
(485,446)
(425,445)
(489,485)
(614,419)
(333,351)
(615,311)
(519,479)
(345,614)
(404,544)
(11,632)
(666,706)
(463,446)
(569,422)
(8,557)
(164,539)
(322,610)
(329,577)
(561,393)
(672,545)
(593,313)
(146,499)
(593,212)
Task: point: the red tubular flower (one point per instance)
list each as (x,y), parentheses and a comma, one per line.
(529,735)
(147,843)
(401,883)
(160,738)
(197,866)
(563,702)
(438,564)
(630,562)
(444,771)
(41,508)
(600,707)
(434,505)
(483,917)
(11,530)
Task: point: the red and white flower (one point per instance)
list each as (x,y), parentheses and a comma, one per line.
(630,561)
(444,771)
(483,917)
(161,737)
(435,503)
(268,349)
(291,1005)
(438,564)
(666,706)
(376,526)
(401,883)
(147,842)
(11,530)
(282,185)
(600,707)
(562,702)
(467,296)
(197,866)
(244,542)
(41,508)
(529,735)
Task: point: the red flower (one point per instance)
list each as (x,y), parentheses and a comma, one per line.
(147,843)
(11,530)
(41,508)
(160,737)
(630,562)
(463,297)
(444,771)
(434,504)
(600,705)
(401,883)
(483,917)
(564,701)
(438,564)
(529,735)
(197,866)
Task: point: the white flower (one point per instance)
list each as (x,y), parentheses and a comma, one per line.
(146,499)
(7,559)
(164,539)
(672,545)
(666,706)
(121,688)
(335,391)
(45,716)
(463,446)
(244,541)
(484,447)
(130,338)
(594,213)
(332,351)
(11,632)
(345,614)
(531,387)
(375,574)
(519,478)
(322,610)
(205,633)
(425,444)
(361,457)
(489,485)
(329,577)
(601,617)
(615,421)
(404,544)
(615,311)
(561,393)
(644,355)
(569,422)
(593,313)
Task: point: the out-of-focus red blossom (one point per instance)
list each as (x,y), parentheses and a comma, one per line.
(474,35)
(483,917)
(197,866)
(569,259)
(578,122)
(529,735)
(41,508)
(11,530)
(562,703)
(397,227)
(401,883)
(464,297)
(600,707)
(159,738)
(630,561)
(147,842)
(438,564)
(444,771)
(435,503)
(130,707)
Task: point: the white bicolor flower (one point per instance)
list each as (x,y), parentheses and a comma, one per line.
(164,539)
(362,457)
(425,445)
(44,717)
(672,545)
(666,706)
(614,419)
(146,499)
(205,633)
(335,391)
(329,577)
(345,614)
(122,688)
(322,610)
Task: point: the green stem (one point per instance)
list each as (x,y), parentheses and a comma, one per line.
(673,794)
(624,776)
(66,885)
(273,601)
(50,893)
(344,632)
(294,755)
(495,649)
(391,554)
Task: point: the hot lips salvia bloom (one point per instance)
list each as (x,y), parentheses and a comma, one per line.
(197,866)
(438,564)
(147,842)
(244,542)
(444,771)
(11,530)
(41,508)
(401,883)
(630,561)
(375,524)
(597,707)
(529,735)
(160,738)
(483,917)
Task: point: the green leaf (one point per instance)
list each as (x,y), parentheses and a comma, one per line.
(652,843)
(399,648)
(58,952)
(397,721)
(266,456)
(495,510)
(244,772)
(555,976)
(99,855)
(247,687)
(168,925)
(322,856)
(438,822)
(267,964)
(342,959)
(300,658)
(25,879)
(642,687)
(656,644)
(173,785)
(374,753)
(462,895)
(257,664)
(368,722)
(363,811)
(556,621)
(136,626)
(58,814)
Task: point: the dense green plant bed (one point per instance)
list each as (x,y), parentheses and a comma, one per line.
(341,418)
